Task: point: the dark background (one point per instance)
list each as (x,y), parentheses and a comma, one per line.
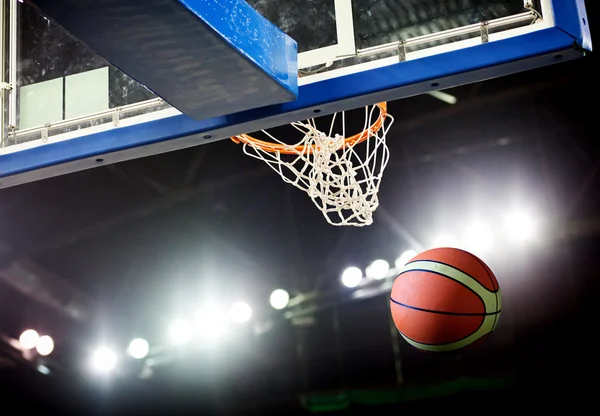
(146,239)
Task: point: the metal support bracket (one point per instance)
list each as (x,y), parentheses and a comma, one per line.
(402,51)
(45,133)
(116,117)
(485,32)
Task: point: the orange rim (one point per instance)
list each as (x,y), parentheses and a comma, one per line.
(349,141)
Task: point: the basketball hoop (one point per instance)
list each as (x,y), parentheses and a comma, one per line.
(341,177)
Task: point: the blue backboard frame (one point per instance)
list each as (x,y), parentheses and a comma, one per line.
(567,39)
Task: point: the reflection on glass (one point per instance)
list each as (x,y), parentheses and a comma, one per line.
(88,84)
(378,22)
(86,93)
(311,23)
(41,103)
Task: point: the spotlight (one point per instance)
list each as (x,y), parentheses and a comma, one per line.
(104,360)
(404,258)
(211,323)
(279,299)
(180,332)
(43,369)
(351,277)
(378,269)
(479,238)
(45,345)
(241,312)
(29,339)
(519,227)
(138,348)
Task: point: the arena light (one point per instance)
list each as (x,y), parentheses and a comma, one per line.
(45,345)
(519,226)
(352,277)
(444,96)
(104,360)
(479,238)
(29,339)
(180,332)
(240,312)
(279,299)
(138,348)
(404,258)
(211,323)
(378,269)
(43,369)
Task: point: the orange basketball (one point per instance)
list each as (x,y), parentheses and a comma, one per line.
(445,299)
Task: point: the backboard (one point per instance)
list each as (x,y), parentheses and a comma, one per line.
(66,109)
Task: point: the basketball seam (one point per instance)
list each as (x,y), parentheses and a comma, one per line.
(446,343)
(444,312)
(497,287)
(462,271)
(488,274)
(449,277)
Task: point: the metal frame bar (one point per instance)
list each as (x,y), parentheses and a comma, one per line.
(12,65)
(345,39)
(459,31)
(3,84)
(130,108)
(402,79)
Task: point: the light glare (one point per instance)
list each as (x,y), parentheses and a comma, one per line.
(138,348)
(445,241)
(45,345)
(180,332)
(29,339)
(405,258)
(479,238)
(211,324)
(104,360)
(279,299)
(519,227)
(241,312)
(351,277)
(378,269)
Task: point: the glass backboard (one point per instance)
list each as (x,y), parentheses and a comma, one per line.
(66,109)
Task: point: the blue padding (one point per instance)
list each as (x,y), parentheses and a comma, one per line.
(571,17)
(391,82)
(207,58)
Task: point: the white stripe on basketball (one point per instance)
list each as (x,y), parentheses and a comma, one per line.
(486,327)
(490,300)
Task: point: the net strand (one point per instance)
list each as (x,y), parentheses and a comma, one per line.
(341,177)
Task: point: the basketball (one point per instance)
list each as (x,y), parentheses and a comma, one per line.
(445,299)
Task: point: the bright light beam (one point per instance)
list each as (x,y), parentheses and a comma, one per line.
(443,96)
(45,345)
(138,348)
(479,238)
(104,360)
(180,332)
(240,312)
(352,277)
(378,269)
(211,324)
(404,258)
(519,227)
(29,339)
(279,299)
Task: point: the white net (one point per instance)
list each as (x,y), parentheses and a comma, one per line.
(342,176)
